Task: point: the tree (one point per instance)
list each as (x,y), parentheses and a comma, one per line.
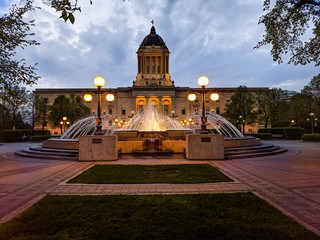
(287,25)
(66,7)
(71,107)
(15,33)
(242,104)
(14,98)
(313,91)
(272,105)
(41,110)
(77,109)
(5,119)
(58,110)
(300,106)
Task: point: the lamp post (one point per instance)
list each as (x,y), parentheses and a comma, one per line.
(240,121)
(63,124)
(311,120)
(173,114)
(99,82)
(132,114)
(203,82)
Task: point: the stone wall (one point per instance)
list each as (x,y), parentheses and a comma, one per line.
(204,147)
(98,148)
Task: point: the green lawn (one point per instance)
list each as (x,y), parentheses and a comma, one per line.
(135,174)
(191,216)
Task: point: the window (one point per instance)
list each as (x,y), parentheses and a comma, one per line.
(154,108)
(166,109)
(123,111)
(207,109)
(140,108)
(148,65)
(196,111)
(207,99)
(217,110)
(159,64)
(228,99)
(183,111)
(110,111)
(110,123)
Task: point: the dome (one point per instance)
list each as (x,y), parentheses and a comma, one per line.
(153,39)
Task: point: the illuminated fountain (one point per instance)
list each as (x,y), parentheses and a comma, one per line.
(86,126)
(151,120)
(219,124)
(149,131)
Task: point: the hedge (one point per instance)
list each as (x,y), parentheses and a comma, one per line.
(15,135)
(40,138)
(287,132)
(260,135)
(311,137)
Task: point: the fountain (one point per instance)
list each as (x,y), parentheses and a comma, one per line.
(150,132)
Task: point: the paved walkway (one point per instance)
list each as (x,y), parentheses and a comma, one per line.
(290,182)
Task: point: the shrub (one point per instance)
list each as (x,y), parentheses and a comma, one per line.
(264,130)
(40,138)
(278,130)
(261,135)
(287,132)
(15,135)
(294,132)
(41,132)
(311,137)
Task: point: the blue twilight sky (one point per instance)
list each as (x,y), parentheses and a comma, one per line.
(212,38)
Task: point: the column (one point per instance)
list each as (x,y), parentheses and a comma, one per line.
(160,104)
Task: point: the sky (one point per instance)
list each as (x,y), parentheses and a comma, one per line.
(212,38)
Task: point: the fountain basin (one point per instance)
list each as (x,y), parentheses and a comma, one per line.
(127,145)
(58,143)
(230,142)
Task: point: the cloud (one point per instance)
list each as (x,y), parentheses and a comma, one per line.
(292,84)
(213,38)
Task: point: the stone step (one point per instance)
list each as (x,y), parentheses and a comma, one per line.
(261,146)
(43,153)
(254,154)
(53,150)
(45,156)
(254,150)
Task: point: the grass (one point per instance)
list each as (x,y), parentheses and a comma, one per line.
(191,216)
(139,174)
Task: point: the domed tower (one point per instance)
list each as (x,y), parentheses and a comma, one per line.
(153,61)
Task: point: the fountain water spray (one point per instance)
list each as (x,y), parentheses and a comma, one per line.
(150,120)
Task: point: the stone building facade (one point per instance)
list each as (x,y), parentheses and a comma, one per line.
(153,86)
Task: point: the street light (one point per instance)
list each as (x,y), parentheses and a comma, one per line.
(99,82)
(203,81)
(132,114)
(241,121)
(311,120)
(63,124)
(173,114)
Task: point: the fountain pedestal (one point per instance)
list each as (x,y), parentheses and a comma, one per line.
(98,148)
(205,147)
